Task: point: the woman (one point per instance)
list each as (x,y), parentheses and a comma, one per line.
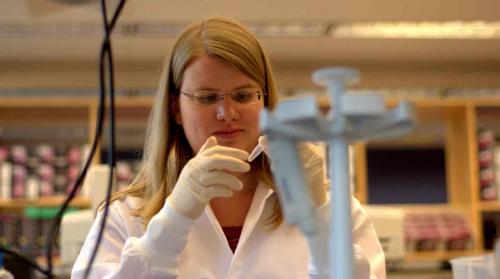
(203,126)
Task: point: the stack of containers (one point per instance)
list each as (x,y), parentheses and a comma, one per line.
(30,172)
(28,232)
(436,232)
(19,161)
(74,156)
(454,232)
(421,233)
(10,230)
(487,172)
(40,170)
(43,172)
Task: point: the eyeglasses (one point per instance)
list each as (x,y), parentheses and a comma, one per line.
(244,96)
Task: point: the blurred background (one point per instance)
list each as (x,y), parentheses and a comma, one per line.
(433,194)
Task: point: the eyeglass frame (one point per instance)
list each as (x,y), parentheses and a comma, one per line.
(221,97)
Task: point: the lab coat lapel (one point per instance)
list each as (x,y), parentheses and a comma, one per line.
(221,237)
(262,193)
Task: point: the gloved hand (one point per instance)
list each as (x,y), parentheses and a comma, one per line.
(314,169)
(206,176)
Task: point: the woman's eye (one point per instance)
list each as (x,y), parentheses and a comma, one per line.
(207,99)
(243,96)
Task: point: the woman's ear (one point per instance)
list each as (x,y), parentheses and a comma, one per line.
(176,110)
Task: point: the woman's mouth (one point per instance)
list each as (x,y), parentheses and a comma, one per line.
(229,134)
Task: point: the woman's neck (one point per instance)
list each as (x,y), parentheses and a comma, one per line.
(250,181)
(232,211)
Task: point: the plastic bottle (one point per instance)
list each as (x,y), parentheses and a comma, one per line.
(4,273)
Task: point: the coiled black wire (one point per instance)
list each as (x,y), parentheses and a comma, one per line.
(108,55)
(105,56)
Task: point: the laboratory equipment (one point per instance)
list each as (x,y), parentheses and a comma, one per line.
(75,226)
(255,152)
(351,118)
(477,267)
(388,223)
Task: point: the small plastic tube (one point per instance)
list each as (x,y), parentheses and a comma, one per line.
(256,152)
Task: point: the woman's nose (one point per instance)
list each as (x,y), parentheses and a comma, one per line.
(227,109)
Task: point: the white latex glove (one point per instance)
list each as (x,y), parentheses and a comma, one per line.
(312,162)
(206,176)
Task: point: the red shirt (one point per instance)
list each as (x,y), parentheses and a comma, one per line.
(232,235)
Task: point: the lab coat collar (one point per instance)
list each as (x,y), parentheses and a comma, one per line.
(262,194)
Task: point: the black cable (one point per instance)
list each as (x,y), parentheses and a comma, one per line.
(57,220)
(105,49)
(105,53)
(111,148)
(25,260)
(79,181)
(116,14)
(111,163)
(55,226)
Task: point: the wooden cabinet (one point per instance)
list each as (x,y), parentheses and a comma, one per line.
(450,124)
(64,122)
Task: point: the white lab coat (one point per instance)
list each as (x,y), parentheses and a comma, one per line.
(199,249)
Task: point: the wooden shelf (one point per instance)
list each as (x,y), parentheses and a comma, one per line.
(44,102)
(437,255)
(425,208)
(82,202)
(73,102)
(409,142)
(429,102)
(493,102)
(489,206)
(140,102)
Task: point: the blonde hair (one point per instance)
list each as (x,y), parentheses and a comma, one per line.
(166,149)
